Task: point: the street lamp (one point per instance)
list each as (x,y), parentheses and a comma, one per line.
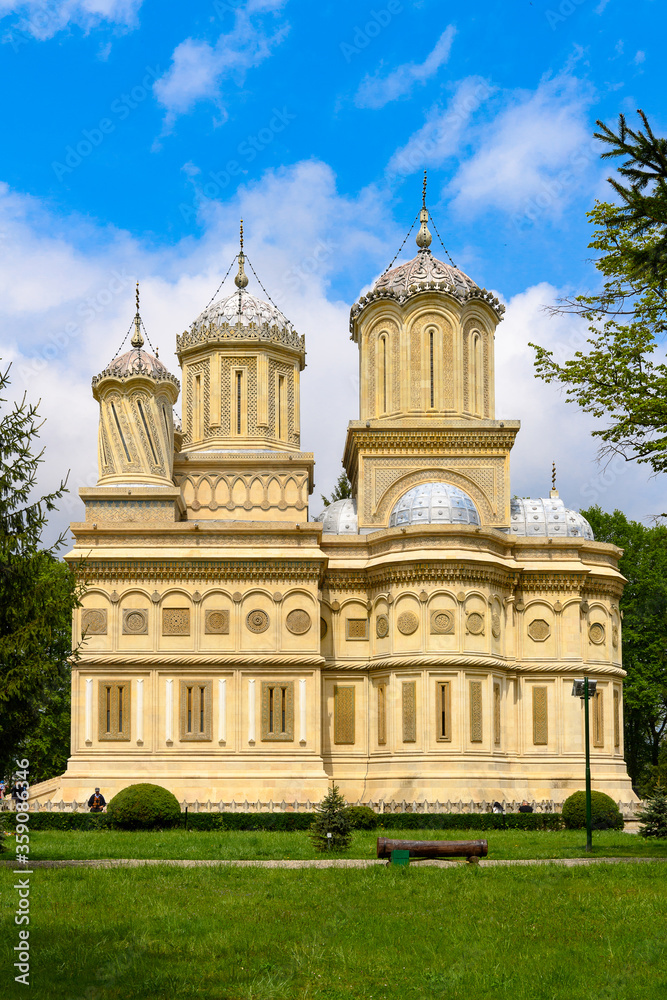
(586,689)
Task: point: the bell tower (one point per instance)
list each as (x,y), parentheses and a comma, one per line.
(426,336)
(240,456)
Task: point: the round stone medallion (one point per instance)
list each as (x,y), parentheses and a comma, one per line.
(407,623)
(324,628)
(94,621)
(614,636)
(475,623)
(381,626)
(216,621)
(298,621)
(257,621)
(442,622)
(136,622)
(495,626)
(596,633)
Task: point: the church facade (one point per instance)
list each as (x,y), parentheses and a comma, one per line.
(417,641)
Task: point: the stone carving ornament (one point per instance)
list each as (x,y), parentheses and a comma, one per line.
(442,622)
(175,621)
(495,626)
(216,622)
(135,621)
(475,623)
(324,628)
(381,626)
(614,636)
(298,622)
(407,623)
(257,621)
(596,633)
(94,621)
(539,630)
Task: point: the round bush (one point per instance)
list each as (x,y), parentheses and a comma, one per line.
(144,807)
(362,818)
(605,813)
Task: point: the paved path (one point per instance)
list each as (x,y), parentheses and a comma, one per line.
(338,863)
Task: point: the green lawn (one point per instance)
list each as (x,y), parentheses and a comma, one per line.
(545,933)
(172,844)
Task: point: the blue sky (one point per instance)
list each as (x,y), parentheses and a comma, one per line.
(137,133)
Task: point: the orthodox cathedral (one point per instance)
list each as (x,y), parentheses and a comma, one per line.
(416,642)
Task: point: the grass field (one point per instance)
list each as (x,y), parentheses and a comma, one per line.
(544,933)
(173,844)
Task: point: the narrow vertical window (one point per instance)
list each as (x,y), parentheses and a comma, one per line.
(617,719)
(108,701)
(120,709)
(283,709)
(189,729)
(430,357)
(201,709)
(443,711)
(271,692)
(280,406)
(598,719)
(196,409)
(382,714)
(239,393)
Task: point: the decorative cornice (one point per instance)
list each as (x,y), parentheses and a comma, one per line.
(444,287)
(475,437)
(212,335)
(218,570)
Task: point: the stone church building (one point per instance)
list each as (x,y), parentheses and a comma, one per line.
(417,642)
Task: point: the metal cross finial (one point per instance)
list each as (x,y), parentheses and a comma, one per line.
(137,337)
(241,279)
(554,491)
(424,191)
(423,238)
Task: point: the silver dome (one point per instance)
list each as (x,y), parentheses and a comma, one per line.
(547,518)
(434,503)
(242,309)
(136,362)
(421,271)
(340,518)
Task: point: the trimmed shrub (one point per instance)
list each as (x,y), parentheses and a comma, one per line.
(605,814)
(144,807)
(331,827)
(362,818)
(471,821)
(654,816)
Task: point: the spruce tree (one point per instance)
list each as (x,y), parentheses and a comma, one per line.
(37,592)
(331,818)
(654,816)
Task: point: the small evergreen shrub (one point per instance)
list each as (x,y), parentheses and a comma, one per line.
(331,818)
(362,818)
(654,816)
(144,807)
(605,814)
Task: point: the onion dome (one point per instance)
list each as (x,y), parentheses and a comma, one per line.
(242,316)
(136,362)
(424,273)
(434,503)
(547,518)
(340,518)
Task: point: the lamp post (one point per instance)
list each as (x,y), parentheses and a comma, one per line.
(585,689)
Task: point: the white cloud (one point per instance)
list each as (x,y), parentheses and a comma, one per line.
(440,137)
(377,90)
(538,149)
(639,58)
(42,19)
(198,68)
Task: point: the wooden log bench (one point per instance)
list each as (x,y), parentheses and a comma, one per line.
(403,851)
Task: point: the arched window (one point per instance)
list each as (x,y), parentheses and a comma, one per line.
(383,374)
(476,374)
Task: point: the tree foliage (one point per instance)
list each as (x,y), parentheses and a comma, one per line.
(605,814)
(653,816)
(620,374)
(644,608)
(342,490)
(331,818)
(37,592)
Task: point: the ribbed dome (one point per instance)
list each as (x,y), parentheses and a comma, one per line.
(547,518)
(242,309)
(434,503)
(136,362)
(340,518)
(422,270)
